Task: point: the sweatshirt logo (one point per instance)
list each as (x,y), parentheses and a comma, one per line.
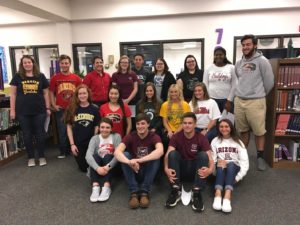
(249,67)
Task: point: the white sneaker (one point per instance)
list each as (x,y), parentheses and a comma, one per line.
(95,194)
(31,162)
(105,194)
(217,205)
(42,161)
(226,207)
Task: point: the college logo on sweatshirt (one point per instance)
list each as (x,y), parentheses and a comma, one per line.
(248,67)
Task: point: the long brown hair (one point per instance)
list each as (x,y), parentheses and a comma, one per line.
(74,104)
(35,68)
(205,96)
(144,99)
(233,133)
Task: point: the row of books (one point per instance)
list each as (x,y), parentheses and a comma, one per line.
(289,76)
(282,152)
(288,100)
(5,121)
(288,124)
(11,144)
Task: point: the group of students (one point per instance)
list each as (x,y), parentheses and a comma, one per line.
(177,119)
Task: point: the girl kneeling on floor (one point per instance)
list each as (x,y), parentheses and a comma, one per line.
(100,157)
(232,163)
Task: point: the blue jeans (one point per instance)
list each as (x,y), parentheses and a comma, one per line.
(221,104)
(33,126)
(226,177)
(188,169)
(95,177)
(145,175)
(211,134)
(63,142)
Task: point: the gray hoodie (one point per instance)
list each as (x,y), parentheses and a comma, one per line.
(255,77)
(93,149)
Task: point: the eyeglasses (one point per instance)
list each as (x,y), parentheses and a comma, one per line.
(192,61)
(159,64)
(124,62)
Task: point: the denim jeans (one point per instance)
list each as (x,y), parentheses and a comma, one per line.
(33,126)
(188,169)
(95,177)
(211,134)
(62,133)
(221,104)
(145,176)
(226,177)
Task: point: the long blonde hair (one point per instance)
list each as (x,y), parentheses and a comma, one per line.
(180,98)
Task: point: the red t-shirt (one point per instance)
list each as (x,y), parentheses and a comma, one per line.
(116,117)
(125,82)
(63,87)
(188,148)
(99,85)
(140,147)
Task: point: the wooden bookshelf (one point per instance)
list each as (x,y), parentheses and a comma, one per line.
(12,157)
(273,113)
(4,103)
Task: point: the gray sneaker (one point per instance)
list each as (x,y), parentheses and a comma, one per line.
(261,164)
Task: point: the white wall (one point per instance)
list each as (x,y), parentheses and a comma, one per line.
(111,32)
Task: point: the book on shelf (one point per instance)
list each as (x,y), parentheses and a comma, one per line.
(293,148)
(277,153)
(282,124)
(10,145)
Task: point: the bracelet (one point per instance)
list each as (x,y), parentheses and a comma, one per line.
(48,108)
(72,144)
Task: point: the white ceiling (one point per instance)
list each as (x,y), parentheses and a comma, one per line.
(15,12)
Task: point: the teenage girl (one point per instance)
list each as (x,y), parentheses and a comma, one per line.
(82,119)
(232,163)
(150,104)
(100,157)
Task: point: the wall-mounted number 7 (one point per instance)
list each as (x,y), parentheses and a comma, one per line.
(220,34)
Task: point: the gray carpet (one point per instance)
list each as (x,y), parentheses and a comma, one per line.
(59,194)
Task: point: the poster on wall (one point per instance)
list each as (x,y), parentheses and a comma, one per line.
(3,62)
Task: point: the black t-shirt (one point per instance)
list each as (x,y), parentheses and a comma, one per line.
(29,97)
(189,81)
(85,121)
(142,75)
(149,109)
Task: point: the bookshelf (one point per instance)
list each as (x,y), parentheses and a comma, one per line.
(282,102)
(9,130)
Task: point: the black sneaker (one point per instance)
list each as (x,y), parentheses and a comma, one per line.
(197,201)
(173,198)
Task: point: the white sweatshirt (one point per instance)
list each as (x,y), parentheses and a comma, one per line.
(221,82)
(229,150)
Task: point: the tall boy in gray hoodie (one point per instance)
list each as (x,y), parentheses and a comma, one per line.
(255,81)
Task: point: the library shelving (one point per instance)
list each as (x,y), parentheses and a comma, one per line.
(283,112)
(10,141)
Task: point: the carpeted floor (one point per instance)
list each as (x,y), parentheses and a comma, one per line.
(58,194)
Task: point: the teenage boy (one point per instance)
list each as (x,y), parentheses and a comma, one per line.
(141,72)
(188,156)
(62,88)
(140,161)
(98,81)
(255,81)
